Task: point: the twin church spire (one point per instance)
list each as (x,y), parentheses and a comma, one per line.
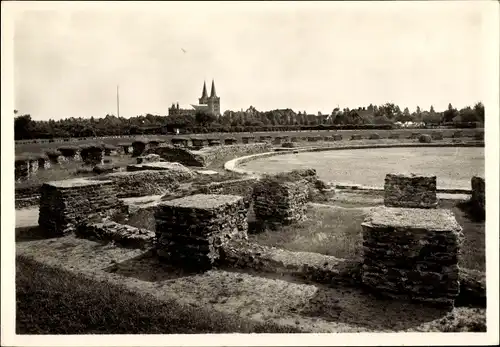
(204,95)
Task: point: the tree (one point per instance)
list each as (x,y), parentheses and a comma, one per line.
(431,110)
(479,110)
(204,118)
(450,114)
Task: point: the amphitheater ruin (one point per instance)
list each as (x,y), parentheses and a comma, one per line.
(410,245)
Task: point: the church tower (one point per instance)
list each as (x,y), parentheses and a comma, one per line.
(204,95)
(213,101)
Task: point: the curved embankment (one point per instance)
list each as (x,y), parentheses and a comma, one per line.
(232,165)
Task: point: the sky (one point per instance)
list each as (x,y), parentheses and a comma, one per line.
(68,60)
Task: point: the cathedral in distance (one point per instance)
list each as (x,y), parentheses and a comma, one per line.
(209,104)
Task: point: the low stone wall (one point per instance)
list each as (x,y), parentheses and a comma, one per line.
(27,197)
(141,183)
(179,155)
(278,201)
(374,136)
(247,139)
(65,204)
(412,254)
(149,158)
(410,191)
(437,136)
(223,153)
(230,141)
(124,235)
(242,187)
(190,231)
(356,137)
(305,265)
(177,170)
(70,153)
(198,142)
(478,194)
(178,141)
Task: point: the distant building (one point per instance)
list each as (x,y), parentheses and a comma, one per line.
(209,104)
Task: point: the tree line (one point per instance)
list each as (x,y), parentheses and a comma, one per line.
(372,116)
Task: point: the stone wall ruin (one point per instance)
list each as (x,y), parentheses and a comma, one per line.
(478,195)
(65,204)
(190,231)
(412,191)
(412,254)
(279,200)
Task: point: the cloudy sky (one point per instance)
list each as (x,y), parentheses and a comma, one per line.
(313,57)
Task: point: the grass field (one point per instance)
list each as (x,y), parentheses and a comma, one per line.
(336,231)
(453,166)
(52,301)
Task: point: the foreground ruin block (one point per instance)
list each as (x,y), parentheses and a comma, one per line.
(280,201)
(478,194)
(412,254)
(64,204)
(124,235)
(190,231)
(412,191)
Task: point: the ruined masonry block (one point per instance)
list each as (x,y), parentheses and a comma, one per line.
(410,191)
(412,254)
(280,202)
(65,204)
(149,158)
(478,193)
(190,231)
(125,235)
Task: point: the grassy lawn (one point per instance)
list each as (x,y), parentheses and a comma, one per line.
(53,301)
(452,166)
(336,231)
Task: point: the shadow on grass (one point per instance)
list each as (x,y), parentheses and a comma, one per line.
(471,211)
(357,307)
(149,267)
(32,233)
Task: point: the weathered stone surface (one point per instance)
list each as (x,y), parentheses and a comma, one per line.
(241,187)
(401,190)
(478,194)
(412,253)
(248,139)
(280,201)
(437,135)
(178,154)
(105,168)
(177,170)
(64,204)
(141,183)
(198,142)
(180,141)
(27,197)
(190,231)
(425,138)
(230,141)
(305,265)
(124,235)
(149,158)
